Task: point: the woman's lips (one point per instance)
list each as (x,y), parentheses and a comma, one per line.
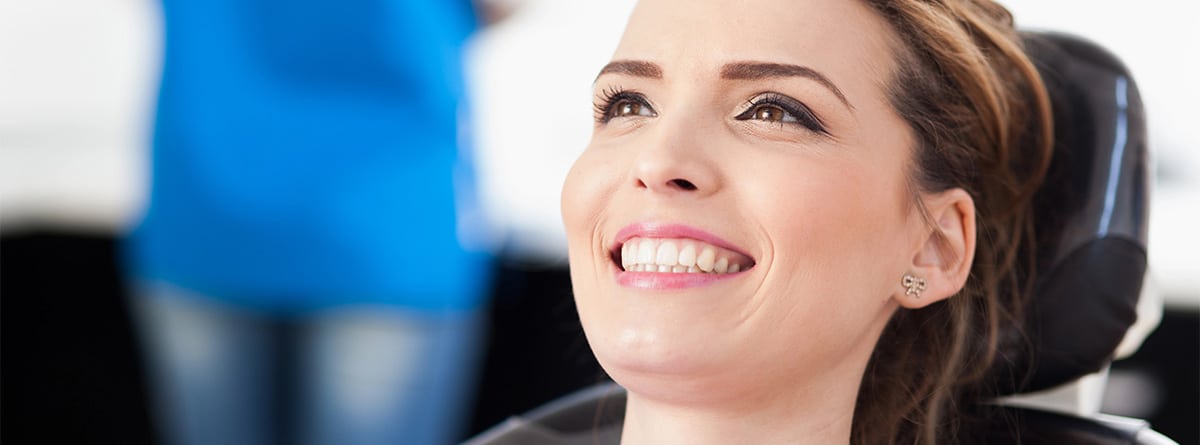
(672,256)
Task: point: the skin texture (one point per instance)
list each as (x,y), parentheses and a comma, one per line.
(776,353)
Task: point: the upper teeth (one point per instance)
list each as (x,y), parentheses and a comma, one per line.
(679,256)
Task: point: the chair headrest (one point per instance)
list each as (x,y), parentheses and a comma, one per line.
(1091,219)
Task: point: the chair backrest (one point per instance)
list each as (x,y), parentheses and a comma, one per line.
(1092,212)
(1092,215)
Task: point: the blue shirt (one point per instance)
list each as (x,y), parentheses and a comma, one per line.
(305,155)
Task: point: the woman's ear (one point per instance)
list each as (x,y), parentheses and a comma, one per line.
(944,252)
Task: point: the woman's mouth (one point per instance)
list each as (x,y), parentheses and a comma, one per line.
(678,255)
(657,256)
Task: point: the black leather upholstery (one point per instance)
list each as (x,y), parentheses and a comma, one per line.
(1033,427)
(591,416)
(1091,212)
(594,417)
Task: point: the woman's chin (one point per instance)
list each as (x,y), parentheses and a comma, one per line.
(638,358)
(677,380)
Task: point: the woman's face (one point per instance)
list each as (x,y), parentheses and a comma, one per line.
(741,215)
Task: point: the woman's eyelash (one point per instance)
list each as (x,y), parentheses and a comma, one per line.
(611,97)
(804,116)
(606,108)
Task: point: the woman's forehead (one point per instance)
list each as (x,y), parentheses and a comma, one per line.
(700,37)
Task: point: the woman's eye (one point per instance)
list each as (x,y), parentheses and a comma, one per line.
(780,109)
(771,113)
(630,108)
(615,103)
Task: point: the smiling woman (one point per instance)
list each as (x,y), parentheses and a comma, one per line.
(797,221)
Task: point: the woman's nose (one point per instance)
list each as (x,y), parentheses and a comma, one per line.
(675,161)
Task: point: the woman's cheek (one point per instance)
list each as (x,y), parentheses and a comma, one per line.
(580,197)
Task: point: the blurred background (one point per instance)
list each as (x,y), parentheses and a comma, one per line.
(78,85)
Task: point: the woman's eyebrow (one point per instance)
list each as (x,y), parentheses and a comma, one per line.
(764,70)
(638,68)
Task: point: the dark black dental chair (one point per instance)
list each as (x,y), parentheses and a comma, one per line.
(1093,209)
(1093,212)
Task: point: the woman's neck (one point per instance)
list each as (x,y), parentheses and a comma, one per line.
(819,414)
(751,403)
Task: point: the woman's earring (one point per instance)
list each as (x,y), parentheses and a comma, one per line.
(914,285)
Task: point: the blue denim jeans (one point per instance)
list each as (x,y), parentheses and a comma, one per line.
(224,375)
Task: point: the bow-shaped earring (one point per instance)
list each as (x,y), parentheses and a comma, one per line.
(914,285)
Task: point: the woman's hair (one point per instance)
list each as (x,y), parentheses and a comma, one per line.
(981,121)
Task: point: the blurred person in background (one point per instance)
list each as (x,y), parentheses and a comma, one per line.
(307,268)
